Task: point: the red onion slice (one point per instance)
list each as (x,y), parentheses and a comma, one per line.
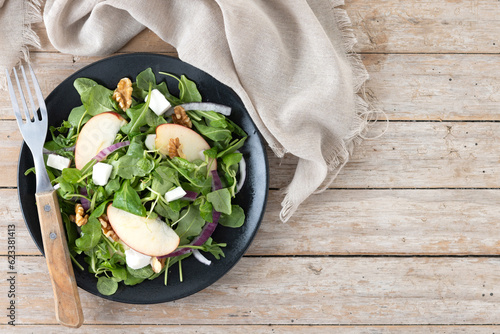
(85,202)
(204,106)
(216,182)
(110,149)
(190,195)
(206,233)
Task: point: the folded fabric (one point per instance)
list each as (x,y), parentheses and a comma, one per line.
(16,17)
(290,61)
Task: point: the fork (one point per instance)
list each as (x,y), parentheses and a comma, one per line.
(34,130)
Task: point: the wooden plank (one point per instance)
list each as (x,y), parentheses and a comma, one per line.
(353,222)
(457,26)
(435,87)
(389,26)
(255,329)
(299,291)
(406,87)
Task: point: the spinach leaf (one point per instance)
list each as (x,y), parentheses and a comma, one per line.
(83,84)
(97,99)
(91,233)
(142,273)
(137,116)
(146,79)
(127,199)
(221,200)
(215,134)
(235,219)
(78,116)
(189,91)
(189,225)
(106,286)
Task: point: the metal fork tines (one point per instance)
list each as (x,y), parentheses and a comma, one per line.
(34,127)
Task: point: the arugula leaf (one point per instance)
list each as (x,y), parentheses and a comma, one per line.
(127,199)
(83,84)
(221,200)
(137,116)
(235,219)
(97,99)
(189,91)
(189,225)
(143,273)
(106,286)
(91,233)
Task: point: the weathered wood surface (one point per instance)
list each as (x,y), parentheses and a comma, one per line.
(261,329)
(311,291)
(355,222)
(405,240)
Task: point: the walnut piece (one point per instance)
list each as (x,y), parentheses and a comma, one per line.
(107,229)
(175,149)
(80,217)
(180,117)
(157,264)
(123,93)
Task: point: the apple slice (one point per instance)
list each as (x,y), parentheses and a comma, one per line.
(192,143)
(98,133)
(148,236)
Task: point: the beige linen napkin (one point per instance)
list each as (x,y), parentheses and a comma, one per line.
(290,61)
(16,17)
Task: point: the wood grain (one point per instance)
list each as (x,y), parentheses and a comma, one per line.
(356,222)
(300,291)
(261,329)
(66,298)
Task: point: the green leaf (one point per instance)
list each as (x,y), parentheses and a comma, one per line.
(137,116)
(221,200)
(189,91)
(235,219)
(143,273)
(215,134)
(97,99)
(71,175)
(127,199)
(190,224)
(145,79)
(91,233)
(78,116)
(106,286)
(83,84)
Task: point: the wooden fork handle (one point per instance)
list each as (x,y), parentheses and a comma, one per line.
(67,300)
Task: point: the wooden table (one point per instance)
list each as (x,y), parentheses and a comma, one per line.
(406,240)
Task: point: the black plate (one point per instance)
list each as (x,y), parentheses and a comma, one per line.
(252,197)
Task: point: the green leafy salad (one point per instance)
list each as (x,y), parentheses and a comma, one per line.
(144,177)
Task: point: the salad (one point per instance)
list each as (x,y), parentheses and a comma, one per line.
(144,177)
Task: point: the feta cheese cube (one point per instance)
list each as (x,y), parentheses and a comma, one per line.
(136,260)
(58,162)
(101,173)
(158,103)
(150,142)
(174,194)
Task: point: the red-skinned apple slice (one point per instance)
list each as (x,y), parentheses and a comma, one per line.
(192,143)
(145,235)
(98,133)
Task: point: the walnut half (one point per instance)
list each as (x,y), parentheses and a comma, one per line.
(175,148)
(123,93)
(106,227)
(180,117)
(80,217)
(157,264)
